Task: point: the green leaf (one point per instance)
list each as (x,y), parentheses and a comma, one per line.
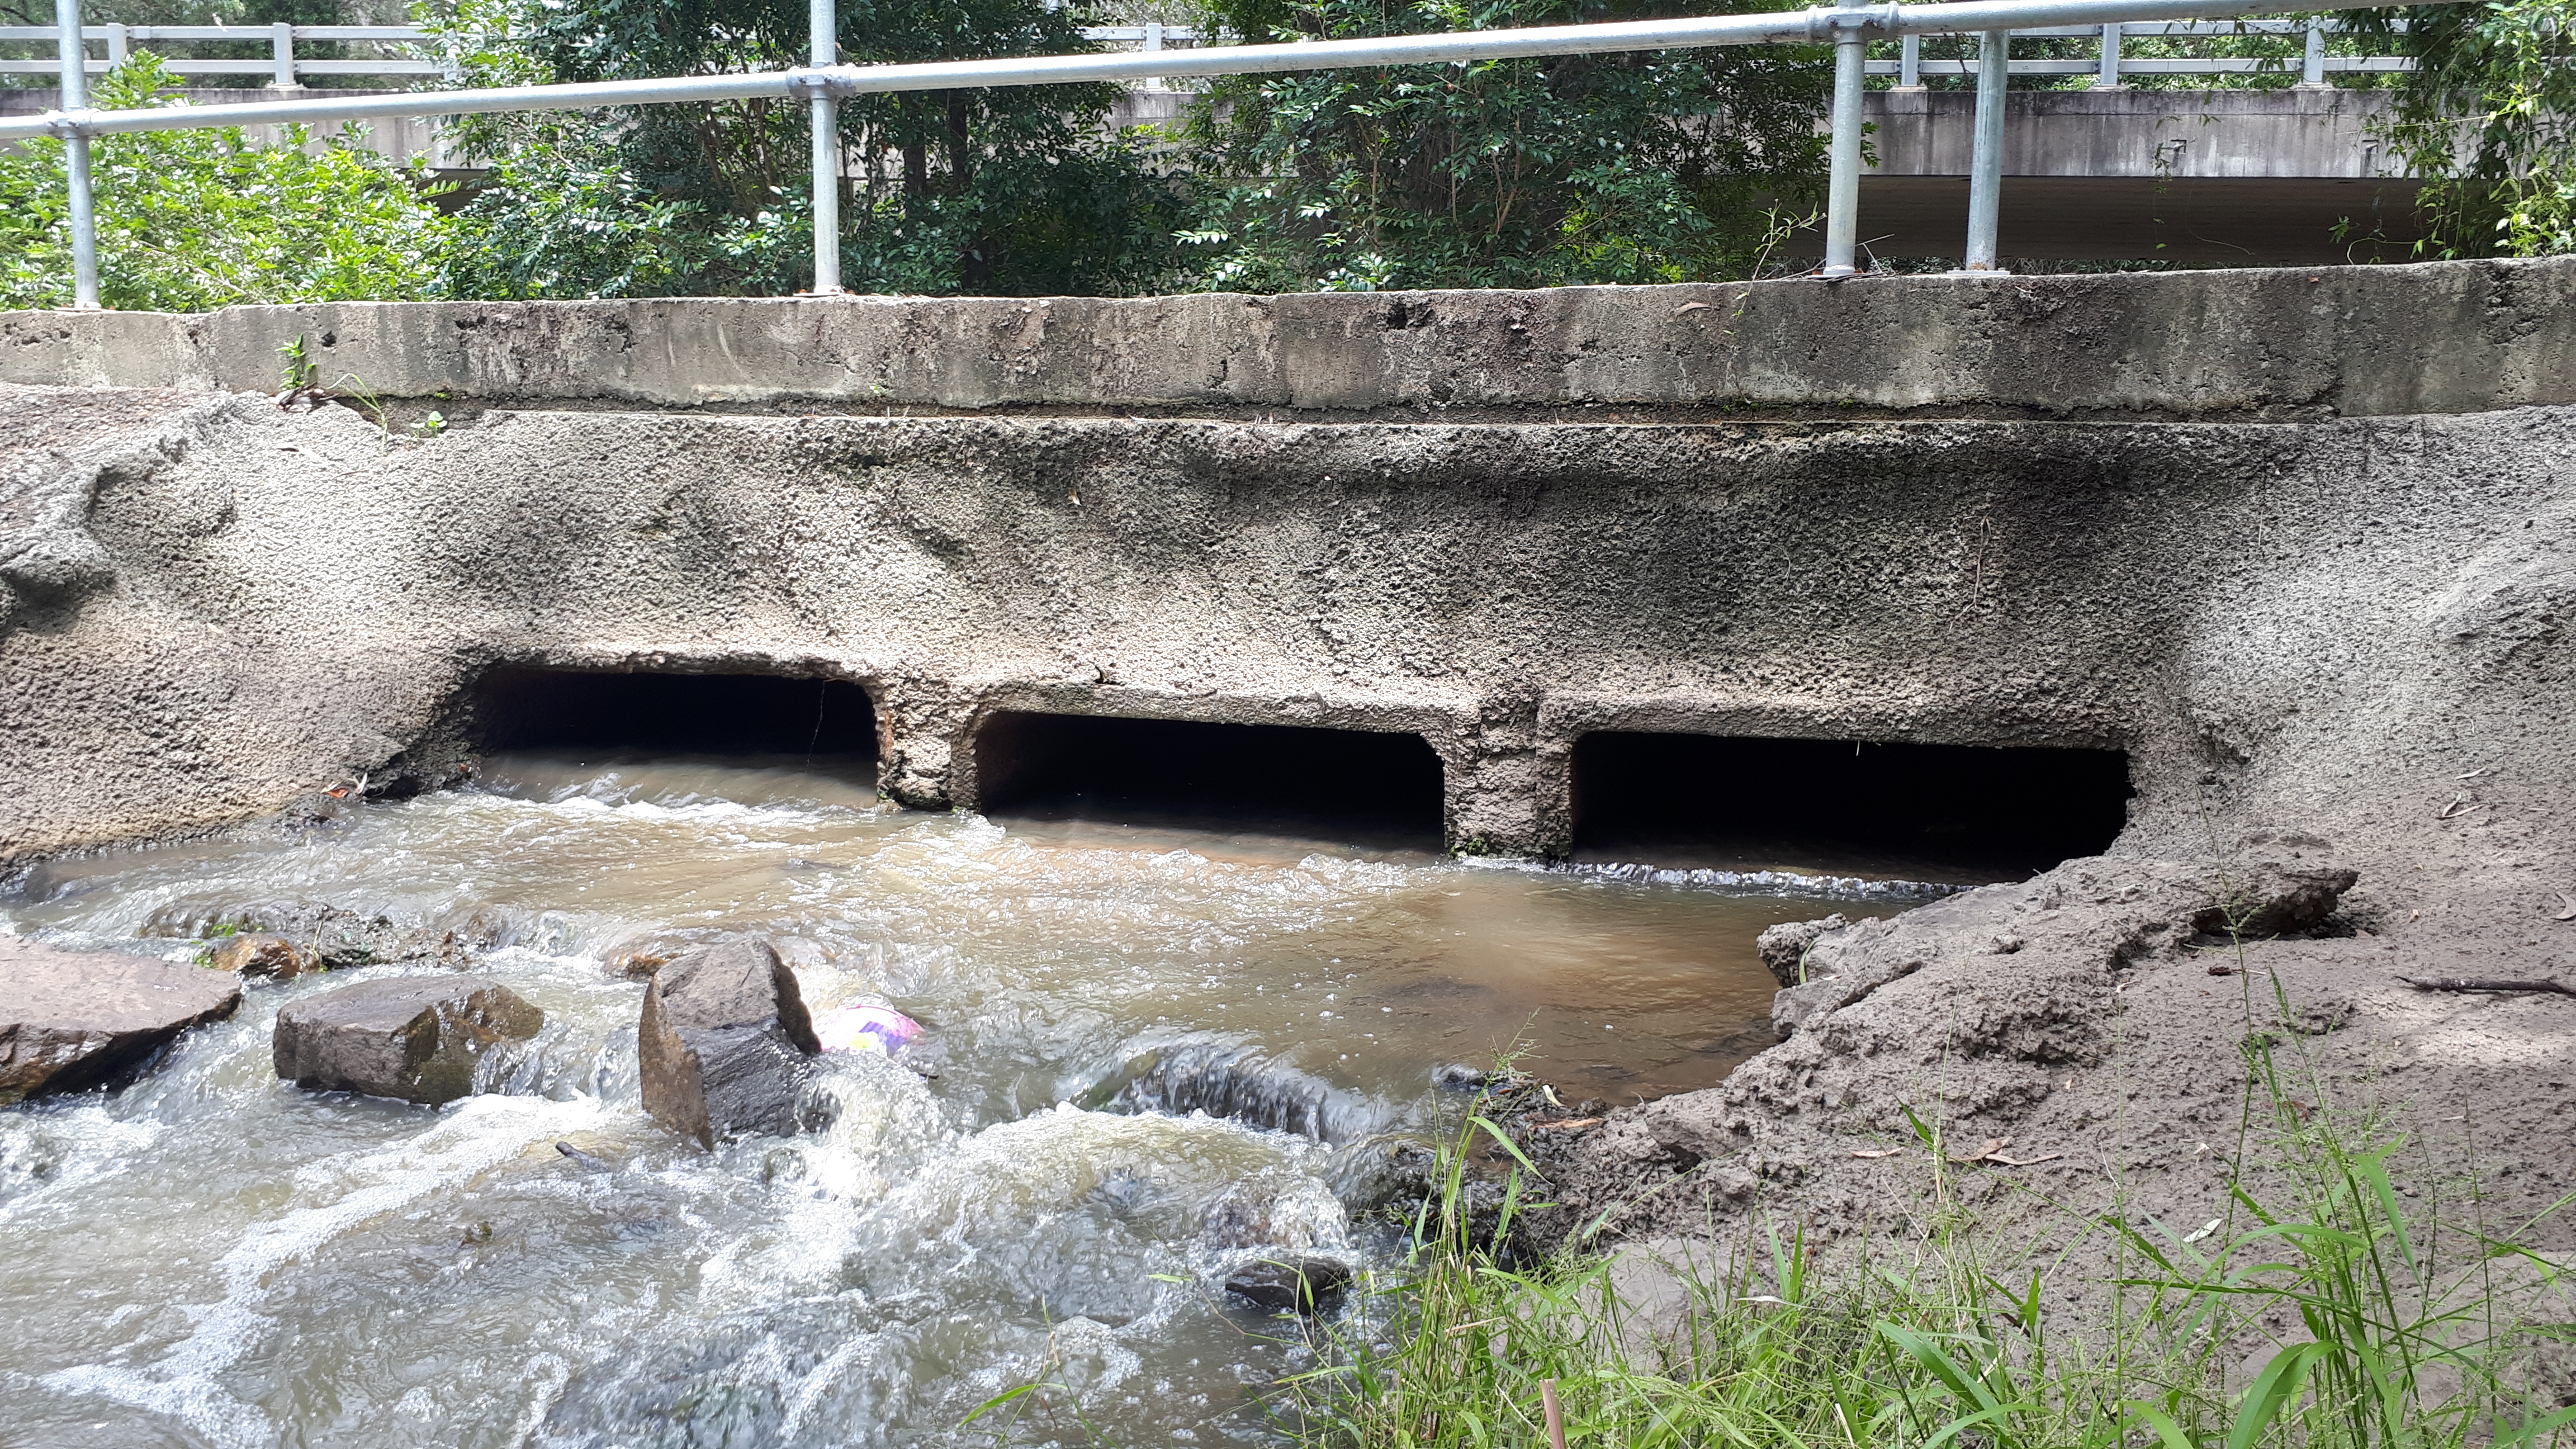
(2274,1390)
(2169,1433)
(995,1402)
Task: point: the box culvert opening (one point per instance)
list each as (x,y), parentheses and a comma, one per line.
(1355,785)
(748,715)
(1953,813)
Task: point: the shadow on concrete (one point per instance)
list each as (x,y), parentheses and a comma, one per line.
(2193,221)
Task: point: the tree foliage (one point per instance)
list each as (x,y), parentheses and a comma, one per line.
(1017,190)
(1643,167)
(2488,117)
(193,220)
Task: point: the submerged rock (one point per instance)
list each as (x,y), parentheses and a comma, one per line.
(1307,1284)
(339,938)
(1233,1080)
(258,955)
(417,1038)
(74,1019)
(638,956)
(725,1043)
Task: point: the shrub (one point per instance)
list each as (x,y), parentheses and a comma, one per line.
(193,220)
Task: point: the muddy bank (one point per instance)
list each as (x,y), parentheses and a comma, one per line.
(2087,1044)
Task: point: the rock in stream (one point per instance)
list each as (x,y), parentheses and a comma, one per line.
(74,1019)
(725,1043)
(417,1038)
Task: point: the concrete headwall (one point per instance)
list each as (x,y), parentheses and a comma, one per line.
(1496,520)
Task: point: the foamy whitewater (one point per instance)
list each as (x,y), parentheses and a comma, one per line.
(212,1257)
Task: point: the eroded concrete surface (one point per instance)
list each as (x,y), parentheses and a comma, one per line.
(2305,548)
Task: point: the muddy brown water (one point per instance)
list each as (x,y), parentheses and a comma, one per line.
(209,1257)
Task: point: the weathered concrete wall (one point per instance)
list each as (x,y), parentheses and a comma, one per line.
(2150,134)
(212,603)
(2346,341)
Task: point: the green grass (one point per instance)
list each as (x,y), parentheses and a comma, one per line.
(2324,1309)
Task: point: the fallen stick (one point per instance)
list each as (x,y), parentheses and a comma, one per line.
(1555,1413)
(2463,983)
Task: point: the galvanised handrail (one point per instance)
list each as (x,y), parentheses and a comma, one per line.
(1849,29)
(286,71)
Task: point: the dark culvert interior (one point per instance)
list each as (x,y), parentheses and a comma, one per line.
(1351,785)
(1951,813)
(734,715)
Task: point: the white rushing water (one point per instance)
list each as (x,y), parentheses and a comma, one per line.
(212,1257)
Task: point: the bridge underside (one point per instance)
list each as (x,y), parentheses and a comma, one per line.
(2190,221)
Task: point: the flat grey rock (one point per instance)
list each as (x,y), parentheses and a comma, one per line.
(74,1019)
(417,1038)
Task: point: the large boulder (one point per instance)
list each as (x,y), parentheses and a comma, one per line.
(725,1043)
(74,1019)
(418,1038)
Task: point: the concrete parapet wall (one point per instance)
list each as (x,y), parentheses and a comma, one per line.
(2351,341)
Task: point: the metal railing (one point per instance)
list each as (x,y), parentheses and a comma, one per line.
(2109,65)
(286,71)
(1849,29)
(283,67)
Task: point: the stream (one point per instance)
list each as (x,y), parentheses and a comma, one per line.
(212,1257)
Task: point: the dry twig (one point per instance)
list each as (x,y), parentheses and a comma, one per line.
(2465,983)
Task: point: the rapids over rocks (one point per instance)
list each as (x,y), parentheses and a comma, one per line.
(1151,1056)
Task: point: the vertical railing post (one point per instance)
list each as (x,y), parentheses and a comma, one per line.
(281,47)
(2108,78)
(2312,75)
(118,47)
(1986,155)
(1909,63)
(825,24)
(84,216)
(1842,184)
